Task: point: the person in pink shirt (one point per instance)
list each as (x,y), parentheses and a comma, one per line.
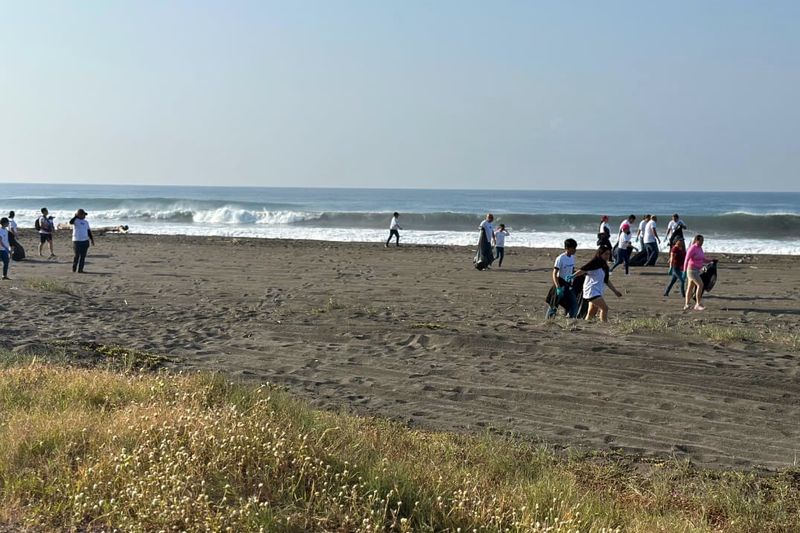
(692,265)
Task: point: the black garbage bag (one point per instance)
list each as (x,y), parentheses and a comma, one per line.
(639,259)
(709,276)
(484,256)
(17,250)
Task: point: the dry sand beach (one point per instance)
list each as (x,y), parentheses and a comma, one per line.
(417,335)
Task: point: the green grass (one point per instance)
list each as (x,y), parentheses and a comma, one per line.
(88,449)
(427,325)
(48,285)
(643,325)
(728,334)
(330,305)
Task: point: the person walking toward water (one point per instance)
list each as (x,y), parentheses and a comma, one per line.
(500,244)
(81,238)
(677,256)
(651,241)
(46,228)
(693,264)
(5,246)
(596,272)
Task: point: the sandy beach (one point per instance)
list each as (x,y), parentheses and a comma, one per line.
(416,334)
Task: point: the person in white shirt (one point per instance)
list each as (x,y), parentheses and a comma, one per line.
(394,230)
(12,224)
(596,272)
(5,246)
(486,225)
(81,238)
(46,229)
(485,257)
(640,232)
(562,278)
(675,230)
(651,241)
(500,244)
(604,232)
(624,244)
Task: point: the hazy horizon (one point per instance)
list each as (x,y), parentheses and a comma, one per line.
(696,96)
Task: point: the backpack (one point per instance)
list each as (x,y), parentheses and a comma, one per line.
(37,225)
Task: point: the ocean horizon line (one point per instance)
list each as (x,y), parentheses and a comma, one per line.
(378,188)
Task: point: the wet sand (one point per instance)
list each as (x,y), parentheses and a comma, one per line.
(417,335)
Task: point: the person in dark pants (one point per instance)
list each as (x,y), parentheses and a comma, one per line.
(394,230)
(5,246)
(500,244)
(677,256)
(624,246)
(81,239)
(651,241)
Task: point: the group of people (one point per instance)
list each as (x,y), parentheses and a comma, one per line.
(82,238)
(685,265)
(491,243)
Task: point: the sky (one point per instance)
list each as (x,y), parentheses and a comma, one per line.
(680,95)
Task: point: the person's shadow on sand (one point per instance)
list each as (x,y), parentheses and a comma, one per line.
(748,298)
(772,312)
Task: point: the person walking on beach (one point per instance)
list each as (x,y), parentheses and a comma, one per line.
(5,246)
(640,233)
(693,264)
(651,241)
(484,257)
(394,230)
(624,244)
(500,244)
(604,232)
(563,271)
(674,229)
(627,223)
(81,238)
(596,272)
(677,255)
(46,228)
(12,224)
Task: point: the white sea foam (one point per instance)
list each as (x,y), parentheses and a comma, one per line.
(454,238)
(229,221)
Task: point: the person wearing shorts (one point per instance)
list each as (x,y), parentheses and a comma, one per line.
(46,229)
(692,267)
(596,272)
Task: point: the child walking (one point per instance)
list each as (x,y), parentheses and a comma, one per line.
(500,244)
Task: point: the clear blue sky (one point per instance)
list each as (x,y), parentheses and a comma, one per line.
(405,93)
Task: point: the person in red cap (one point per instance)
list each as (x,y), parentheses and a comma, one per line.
(81,237)
(604,233)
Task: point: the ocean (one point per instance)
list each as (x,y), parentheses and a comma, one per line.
(737,222)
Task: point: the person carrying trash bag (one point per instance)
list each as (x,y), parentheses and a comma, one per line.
(561,292)
(484,256)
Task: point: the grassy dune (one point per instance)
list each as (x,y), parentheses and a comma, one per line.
(94,449)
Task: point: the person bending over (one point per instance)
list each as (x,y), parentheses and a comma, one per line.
(596,272)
